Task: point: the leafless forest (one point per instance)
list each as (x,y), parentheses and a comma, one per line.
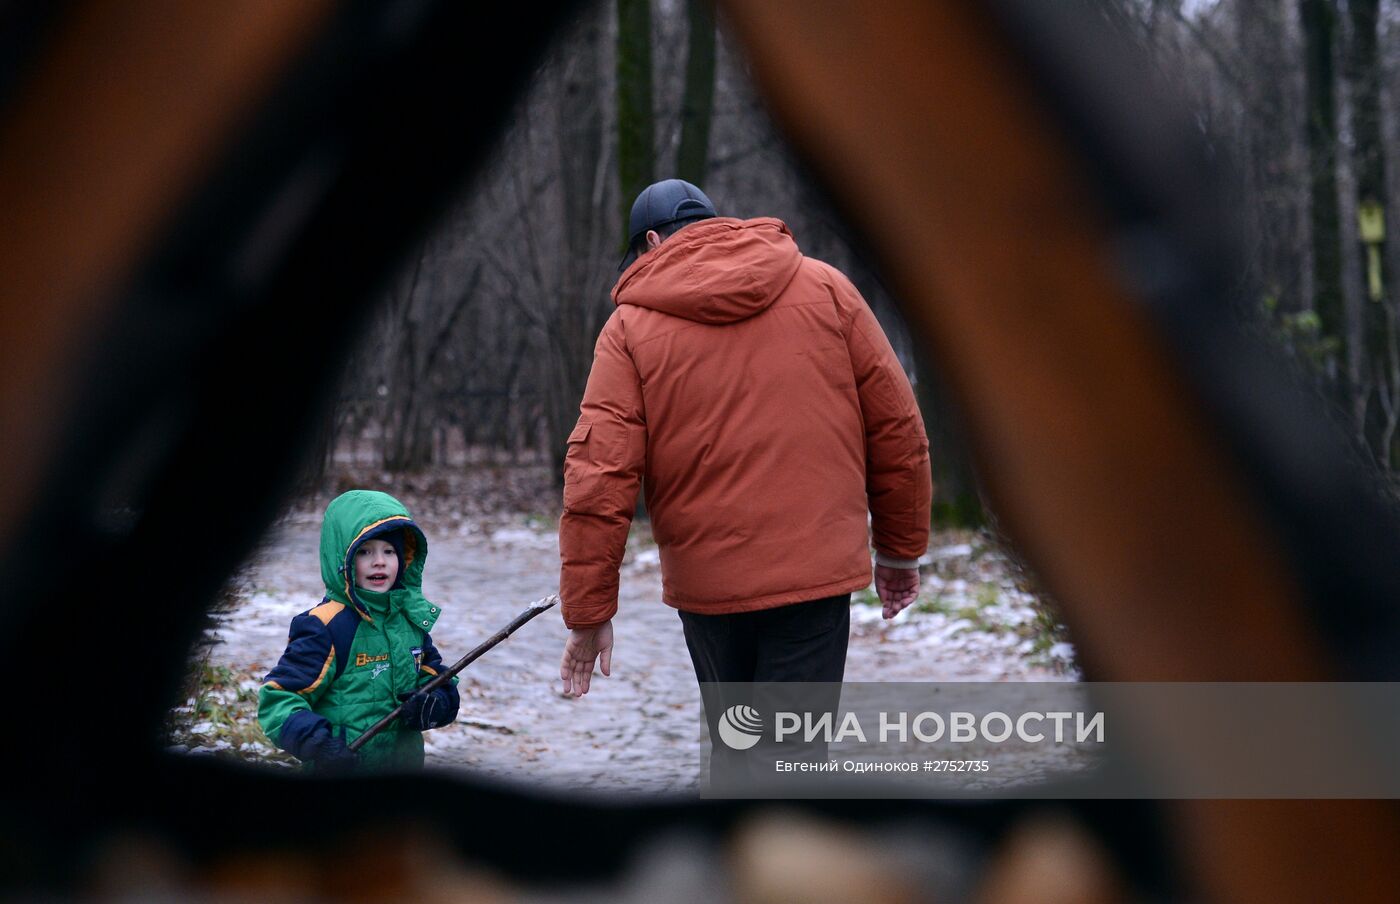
(486,339)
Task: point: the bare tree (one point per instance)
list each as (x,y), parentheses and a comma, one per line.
(636,146)
(697,105)
(1378,394)
(1319,28)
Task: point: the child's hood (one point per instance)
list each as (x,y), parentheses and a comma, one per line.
(357,516)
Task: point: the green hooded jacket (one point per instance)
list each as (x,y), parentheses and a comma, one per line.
(348,659)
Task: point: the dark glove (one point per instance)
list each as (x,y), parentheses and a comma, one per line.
(423,711)
(331,754)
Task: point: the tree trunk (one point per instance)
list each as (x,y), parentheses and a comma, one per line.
(697,106)
(956,499)
(1319,26)
(1377,390)
(1272,138)
(399,354)
(636,142)
(583,305)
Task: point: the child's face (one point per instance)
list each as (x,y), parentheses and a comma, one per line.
(376,565)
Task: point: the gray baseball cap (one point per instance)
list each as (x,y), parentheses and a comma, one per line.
(665,202)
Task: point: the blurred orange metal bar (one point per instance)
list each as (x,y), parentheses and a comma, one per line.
(1100,463)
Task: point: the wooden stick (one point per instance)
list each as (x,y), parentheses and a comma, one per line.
(530,612)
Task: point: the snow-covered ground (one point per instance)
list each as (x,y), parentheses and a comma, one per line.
(641,729)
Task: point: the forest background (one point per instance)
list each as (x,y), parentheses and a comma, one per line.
(482,350)
(462,391)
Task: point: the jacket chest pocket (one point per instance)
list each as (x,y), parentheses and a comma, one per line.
(834,364)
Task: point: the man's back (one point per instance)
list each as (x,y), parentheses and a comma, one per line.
(761,399)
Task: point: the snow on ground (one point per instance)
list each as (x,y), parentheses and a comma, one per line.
(641,729)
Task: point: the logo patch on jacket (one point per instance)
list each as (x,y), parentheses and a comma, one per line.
(417,658)
(377,669)
(366,659)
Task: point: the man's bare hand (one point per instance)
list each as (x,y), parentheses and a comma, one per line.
(897,587)
(584,647)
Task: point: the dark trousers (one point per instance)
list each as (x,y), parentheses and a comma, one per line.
(801,642)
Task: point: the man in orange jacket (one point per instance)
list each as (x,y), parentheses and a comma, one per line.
(756,394)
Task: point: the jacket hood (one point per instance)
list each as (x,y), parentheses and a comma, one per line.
(719,270)
(357,516)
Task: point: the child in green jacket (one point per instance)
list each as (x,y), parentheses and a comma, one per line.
(364,649)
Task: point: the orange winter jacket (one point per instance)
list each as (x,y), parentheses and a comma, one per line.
(755,392)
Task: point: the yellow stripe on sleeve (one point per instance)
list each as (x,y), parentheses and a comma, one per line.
(330,657)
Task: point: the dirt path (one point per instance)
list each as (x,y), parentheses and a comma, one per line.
(641,729)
